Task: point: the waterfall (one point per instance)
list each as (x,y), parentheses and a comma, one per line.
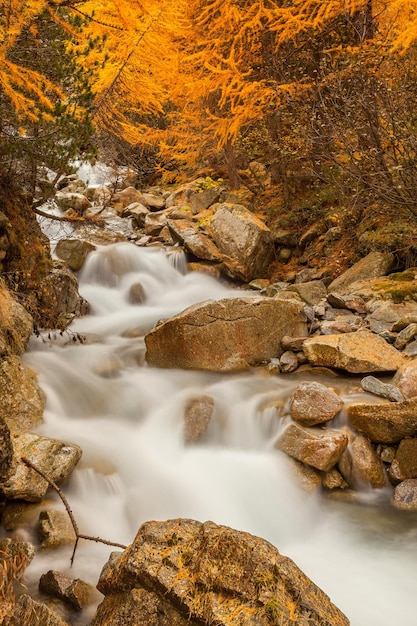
(128,419)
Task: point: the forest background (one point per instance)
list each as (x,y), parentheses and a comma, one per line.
(309,106)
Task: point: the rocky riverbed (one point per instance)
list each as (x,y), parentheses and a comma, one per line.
(362,324)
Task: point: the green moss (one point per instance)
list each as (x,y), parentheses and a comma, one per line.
(397,289)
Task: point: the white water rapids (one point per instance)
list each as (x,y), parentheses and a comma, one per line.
(128,419)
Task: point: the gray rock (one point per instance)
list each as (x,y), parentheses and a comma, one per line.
(311,292)
(384,315)
(138,212)
(383,390)
(405,336)
(74,201)
(59,299)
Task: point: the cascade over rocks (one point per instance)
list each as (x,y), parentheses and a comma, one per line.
(228,335)
(183,572)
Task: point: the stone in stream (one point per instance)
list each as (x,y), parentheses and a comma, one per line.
(384,423)
(319,448)
(383,390)
(183,572)
(197,415)
(357,352)
(75,592)
(226,335)
(55,529)
(366,465)
(314,403)
(404,464)
(405,495)
(74,252)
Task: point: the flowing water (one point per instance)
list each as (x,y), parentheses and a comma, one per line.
(128,419)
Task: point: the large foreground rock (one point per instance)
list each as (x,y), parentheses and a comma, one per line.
(226,335)
(385,423)
(183,572)
(357,352)
(244,238)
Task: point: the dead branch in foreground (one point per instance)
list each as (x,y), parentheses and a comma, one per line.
(64,500)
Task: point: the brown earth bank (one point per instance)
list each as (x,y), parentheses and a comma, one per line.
(306,316)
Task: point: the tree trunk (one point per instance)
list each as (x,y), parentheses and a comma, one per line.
(234,179)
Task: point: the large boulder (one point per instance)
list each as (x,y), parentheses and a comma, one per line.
(226,335)
(21,400)
(357,352)
(373,265)
(244,238)
(385,423)
(183,572)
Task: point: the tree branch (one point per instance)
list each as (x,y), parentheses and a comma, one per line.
(65,502)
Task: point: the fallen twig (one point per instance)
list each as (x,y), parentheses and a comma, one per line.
(65,502)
